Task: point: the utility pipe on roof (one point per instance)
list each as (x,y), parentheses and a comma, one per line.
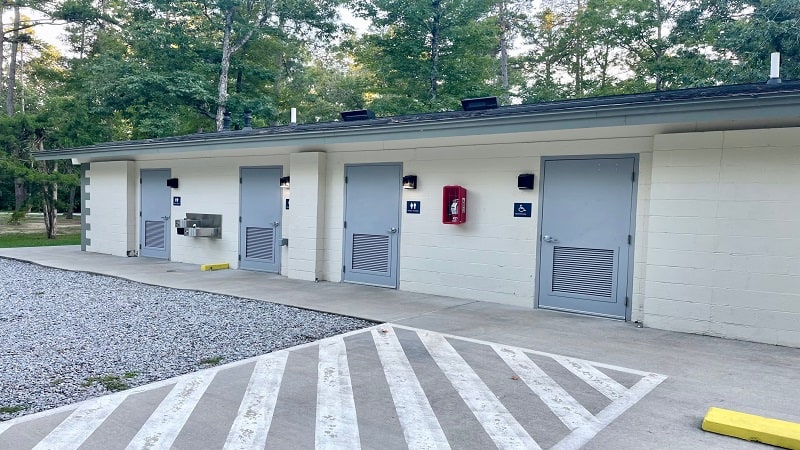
(775,68)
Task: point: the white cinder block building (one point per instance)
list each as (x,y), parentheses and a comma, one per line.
(677,209)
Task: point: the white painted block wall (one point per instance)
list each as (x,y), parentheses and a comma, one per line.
(209,186)
(717,247)
(723,253)
(113,207)
(492,257)
(640,244)
(306,224)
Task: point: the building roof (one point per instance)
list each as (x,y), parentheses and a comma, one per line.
(731,103)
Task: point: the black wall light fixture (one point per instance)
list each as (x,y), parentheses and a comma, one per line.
(410,182)
(525,181)
(284,182)
(172,182)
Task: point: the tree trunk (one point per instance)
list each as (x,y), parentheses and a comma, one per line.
(49,197)
(40,146)
(2,39)
(12,64)
(504,30)
(580,51)
(50,212)
(228,49)
(20,194)
(659,36)
(225,67)
(435,35)
(70,213)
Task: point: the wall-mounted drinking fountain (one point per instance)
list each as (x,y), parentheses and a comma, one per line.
(200,225)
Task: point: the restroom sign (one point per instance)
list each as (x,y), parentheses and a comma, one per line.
(523,209)
(412,207)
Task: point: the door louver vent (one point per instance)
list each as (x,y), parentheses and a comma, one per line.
(585,271)
(260,243)
(371,252)
(154,231)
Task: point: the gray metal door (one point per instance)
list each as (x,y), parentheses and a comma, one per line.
(260,228)
(587,207)
(372,222)
(156,210)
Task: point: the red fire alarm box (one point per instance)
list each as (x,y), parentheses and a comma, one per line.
(454,205)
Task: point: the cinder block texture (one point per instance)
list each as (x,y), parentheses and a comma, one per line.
(724,235)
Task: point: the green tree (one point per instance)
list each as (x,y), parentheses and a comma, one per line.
(741,34)
(324,86)
(20,136)
(162,68)
(18,34)
(429,54)
(512,17)
(231,24)
(541,68)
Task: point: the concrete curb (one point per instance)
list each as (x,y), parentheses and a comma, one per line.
(219,266)
(750,427)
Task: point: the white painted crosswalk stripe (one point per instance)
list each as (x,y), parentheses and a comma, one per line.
(335,422)
(601,382)
(166,422)
(76,428)
(251,426)
(337,427)
(496,420)
(563,405)
(421,428)
(581,436)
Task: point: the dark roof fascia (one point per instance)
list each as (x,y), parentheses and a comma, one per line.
(740,102)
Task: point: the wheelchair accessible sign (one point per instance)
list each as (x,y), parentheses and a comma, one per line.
(523,209)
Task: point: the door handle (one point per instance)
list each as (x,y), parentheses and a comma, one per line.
(549,239)
(165,217)
(392,230)
(275,224)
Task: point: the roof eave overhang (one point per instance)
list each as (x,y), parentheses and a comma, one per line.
(740,108)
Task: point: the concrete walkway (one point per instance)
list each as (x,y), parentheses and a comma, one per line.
(470,374)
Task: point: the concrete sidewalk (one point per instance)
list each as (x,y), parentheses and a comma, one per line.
(701,371)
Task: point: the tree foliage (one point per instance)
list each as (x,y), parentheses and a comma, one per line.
(429,54)
(153,68)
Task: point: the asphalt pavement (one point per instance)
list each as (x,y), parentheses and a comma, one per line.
(436,372)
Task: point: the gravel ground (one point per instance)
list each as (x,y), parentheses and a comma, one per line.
(61,331)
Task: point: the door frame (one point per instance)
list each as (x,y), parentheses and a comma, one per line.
(396,259)
(631,247)
(140,222)
(278,247)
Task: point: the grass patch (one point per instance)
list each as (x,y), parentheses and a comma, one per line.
(112,383)
(37,240)
(12,409)
(213,361)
